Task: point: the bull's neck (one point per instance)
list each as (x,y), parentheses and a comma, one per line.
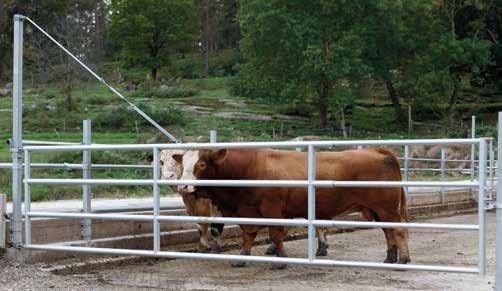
(238,165)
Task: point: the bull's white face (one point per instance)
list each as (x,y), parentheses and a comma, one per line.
(190,159)
(170,169)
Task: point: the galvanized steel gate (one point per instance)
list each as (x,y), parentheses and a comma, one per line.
(19,151)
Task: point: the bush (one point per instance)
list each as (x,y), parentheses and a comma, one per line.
(175,92)
(125,118)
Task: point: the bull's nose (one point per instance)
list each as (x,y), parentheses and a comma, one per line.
(183,189)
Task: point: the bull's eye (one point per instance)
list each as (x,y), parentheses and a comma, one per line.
(202,165)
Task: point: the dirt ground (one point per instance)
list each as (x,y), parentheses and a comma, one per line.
(456,248)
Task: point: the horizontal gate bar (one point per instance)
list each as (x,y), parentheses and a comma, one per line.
(65,166)
(251,183)
(235,145)
(256,221)
(256,259)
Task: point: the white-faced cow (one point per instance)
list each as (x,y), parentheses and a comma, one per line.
(382,204)
(170,169)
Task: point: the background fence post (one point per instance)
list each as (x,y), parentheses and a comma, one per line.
(498,206)
(473,147)
(213,136)
(481,206)
(491,176)
(17,130)
(406,167)
(3,231)
(443,164)
(86,223)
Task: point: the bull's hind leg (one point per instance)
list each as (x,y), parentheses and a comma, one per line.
(322,247)
(216,230)
(391,246)
(248,235)
(401,236)
(396,238)
(203,238)
(277,236)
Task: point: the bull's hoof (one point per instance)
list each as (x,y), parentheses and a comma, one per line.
(271,250)
(391,255)
(215,250)
(238,264)
(322,252)
(202,250)
(404,260)
(279,266)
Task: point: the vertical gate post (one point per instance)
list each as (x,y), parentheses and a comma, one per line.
(311,168)
(3,209)
(86,223)
(491,176)
(406,167)
(156,200)
(481,206)
(473,147)
(498,206)
(443,164)
(17,131)
(27,198)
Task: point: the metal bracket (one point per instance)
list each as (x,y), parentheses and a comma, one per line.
(19,17)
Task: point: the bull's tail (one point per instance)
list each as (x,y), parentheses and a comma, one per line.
(404,207)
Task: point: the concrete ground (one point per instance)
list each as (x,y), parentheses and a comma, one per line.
(456,248)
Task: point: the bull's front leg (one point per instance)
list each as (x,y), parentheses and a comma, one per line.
(248,235)
(322,245)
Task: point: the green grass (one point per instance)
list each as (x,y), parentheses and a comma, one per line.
(47,119)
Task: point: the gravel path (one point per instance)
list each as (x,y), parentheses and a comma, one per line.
(427,247)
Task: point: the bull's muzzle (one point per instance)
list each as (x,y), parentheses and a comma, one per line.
(186,189)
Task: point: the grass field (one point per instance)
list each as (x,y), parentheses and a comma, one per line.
(188,108)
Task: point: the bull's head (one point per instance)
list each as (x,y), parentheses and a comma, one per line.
(170,169)
(199,165)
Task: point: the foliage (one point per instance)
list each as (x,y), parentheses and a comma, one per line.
(146,30)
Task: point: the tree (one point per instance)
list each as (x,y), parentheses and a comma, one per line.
(146,29)
(301,50)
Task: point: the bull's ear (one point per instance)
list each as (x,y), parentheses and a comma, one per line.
(149,158)
(219,156)
(178,158)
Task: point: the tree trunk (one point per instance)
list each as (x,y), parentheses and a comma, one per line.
(322,119)
(395,101)
(154,73)
(207,36)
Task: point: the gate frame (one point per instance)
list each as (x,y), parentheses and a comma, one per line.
(17,183)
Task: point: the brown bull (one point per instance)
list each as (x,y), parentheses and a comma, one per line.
(383,204)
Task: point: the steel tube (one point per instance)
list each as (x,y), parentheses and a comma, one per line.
(481,207)
(406,167)
(311,173)
(237,145)
(256,259)
(156,200)
(441,190)
(498,206)
(252,183)
(86,224)
(473,147)
(491,176)
(27,199)
(257,221)
(68,166)
(17,130)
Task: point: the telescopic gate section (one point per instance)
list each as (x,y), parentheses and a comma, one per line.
(311,183)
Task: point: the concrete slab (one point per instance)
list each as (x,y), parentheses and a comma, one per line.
(3,225)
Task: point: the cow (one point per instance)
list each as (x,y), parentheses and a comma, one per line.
(195,206)
(386,204)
